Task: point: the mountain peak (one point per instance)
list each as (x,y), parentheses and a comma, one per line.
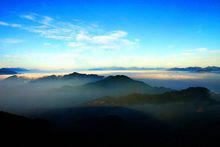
(74,74)
(81,75)
(120,84)
(119,78)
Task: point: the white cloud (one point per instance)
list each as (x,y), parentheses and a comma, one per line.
(84,43)
(111,40)
(46,20)
(14,25)
(30,16)
(105,39)
(2,23)
(76,35)
(11,40)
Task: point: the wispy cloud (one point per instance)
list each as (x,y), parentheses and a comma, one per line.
(14,25)
(2,23)
(75,34)
(46,20)
(30,16)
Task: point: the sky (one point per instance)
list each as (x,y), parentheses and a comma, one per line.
(79,34)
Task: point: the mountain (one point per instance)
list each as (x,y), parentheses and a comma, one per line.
(21,131)
(69,77)
(12,70)
(192,94)
(124,68)
(13,83)
(104,126)
(84,114)
(213,69)
(111,86)
(16,78)
(121,84)
(108,126)
(6,71)
(72,79)
(49,78)
(19,70)
(76,75)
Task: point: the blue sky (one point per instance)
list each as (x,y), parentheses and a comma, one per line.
(72,34)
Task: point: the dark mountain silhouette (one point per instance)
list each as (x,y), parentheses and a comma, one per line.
(112,126)
(107,126)
(192,94)
(214,69)
(69,116)
(104,126)
(21,131)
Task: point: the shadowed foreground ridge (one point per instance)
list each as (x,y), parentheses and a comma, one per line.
(21,131)
(104,126)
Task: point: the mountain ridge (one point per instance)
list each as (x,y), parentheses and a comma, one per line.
(191,94)
(197,69)
(9,71)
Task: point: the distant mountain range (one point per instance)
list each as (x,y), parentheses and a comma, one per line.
(5,71)
(9,71)
(125,68)
(213,69)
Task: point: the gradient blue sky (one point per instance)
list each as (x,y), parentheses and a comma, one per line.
(67,34)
